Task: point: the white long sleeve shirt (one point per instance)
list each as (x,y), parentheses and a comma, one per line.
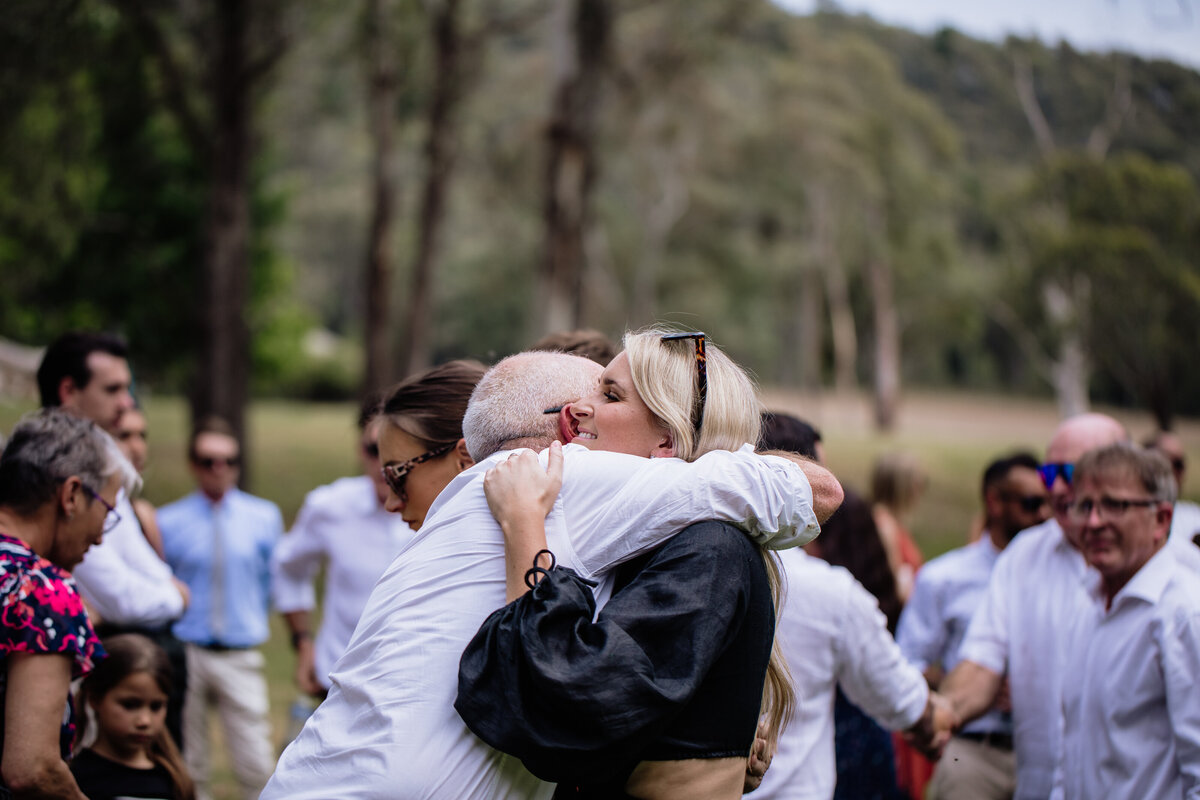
(1131,703)
(945,597)
(125,580)
(388,728)
(1035,594)
(345,527)
(832,633)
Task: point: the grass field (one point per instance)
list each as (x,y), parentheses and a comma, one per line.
(294,447)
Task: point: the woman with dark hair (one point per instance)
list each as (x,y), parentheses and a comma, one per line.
(421,442)
(59,477)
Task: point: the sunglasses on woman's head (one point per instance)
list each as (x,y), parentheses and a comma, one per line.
(701,373)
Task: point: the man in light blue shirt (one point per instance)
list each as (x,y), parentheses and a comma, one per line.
(218,540)
(978,762)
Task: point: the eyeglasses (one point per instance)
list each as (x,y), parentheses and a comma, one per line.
(208,462)
(112,518)
(1107,508)
(396,475)
(1029,503)
(1052,470)
(701,373)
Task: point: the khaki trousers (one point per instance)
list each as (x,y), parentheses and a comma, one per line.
(232,682)
(971,770)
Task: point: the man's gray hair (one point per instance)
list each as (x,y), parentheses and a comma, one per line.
(49,446)
(1148,467)
(509,403)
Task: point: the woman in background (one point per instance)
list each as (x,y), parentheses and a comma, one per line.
(59,477)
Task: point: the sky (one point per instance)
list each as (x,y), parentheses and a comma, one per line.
(1153,28)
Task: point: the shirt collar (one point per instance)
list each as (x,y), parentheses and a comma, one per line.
(1149,582)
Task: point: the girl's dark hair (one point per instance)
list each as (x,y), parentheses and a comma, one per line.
(850,539)
(128,654)
(430,406)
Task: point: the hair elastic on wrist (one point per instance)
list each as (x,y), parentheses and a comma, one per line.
(535,573)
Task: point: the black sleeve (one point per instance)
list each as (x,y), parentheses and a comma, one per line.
(571,697)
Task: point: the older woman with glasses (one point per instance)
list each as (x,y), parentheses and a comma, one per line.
(59,477)
(659,696)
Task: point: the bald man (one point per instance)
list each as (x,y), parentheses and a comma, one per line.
(1035,594)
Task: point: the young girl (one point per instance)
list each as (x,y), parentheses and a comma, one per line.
(133,755)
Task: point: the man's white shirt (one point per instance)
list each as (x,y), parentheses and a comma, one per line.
(832,632)
(1035,594)
(947,593)
(344,526)
(1131,700)
(1185,523)
(388,728)
(125,580)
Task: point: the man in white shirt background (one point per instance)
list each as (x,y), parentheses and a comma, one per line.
(833,634)
(979,761)
(128,588)
(1185,521)
(1131,703)
(345,528)
(1033,597)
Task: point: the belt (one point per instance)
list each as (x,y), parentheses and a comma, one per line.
(218,647)
(1000,741)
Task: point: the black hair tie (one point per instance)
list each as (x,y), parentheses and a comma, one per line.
(534,574)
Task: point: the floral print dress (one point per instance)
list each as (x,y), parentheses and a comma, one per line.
(42,612)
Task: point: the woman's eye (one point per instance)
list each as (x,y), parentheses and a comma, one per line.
(157,706)
(610,397)
(131,705)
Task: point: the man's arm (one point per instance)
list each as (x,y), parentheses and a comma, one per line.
(109,579)
(971,689)
(1180,649)
(827,494)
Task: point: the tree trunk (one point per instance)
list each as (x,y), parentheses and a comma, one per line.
(843,333)
(809,344)
(1066,307)
(887,331)
(382,89)
(439,161)
(222,381)
(580,40)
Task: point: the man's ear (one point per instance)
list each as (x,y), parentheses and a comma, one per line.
(67,391)
(665,447)
(463,456)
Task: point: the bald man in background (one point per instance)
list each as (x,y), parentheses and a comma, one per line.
(1036,593)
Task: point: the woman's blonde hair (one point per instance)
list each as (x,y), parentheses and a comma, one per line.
(666,377)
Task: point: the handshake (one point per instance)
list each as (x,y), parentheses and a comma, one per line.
(933,730)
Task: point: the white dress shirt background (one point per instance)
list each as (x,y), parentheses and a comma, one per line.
(1035,594)
(1131,701)
(832,632)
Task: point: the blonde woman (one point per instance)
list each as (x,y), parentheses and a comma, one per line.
(659,697)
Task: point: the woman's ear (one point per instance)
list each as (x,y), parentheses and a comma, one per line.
(70,496)
(665,447)
(462,456)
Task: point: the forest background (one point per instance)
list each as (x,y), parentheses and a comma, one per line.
(309,198)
